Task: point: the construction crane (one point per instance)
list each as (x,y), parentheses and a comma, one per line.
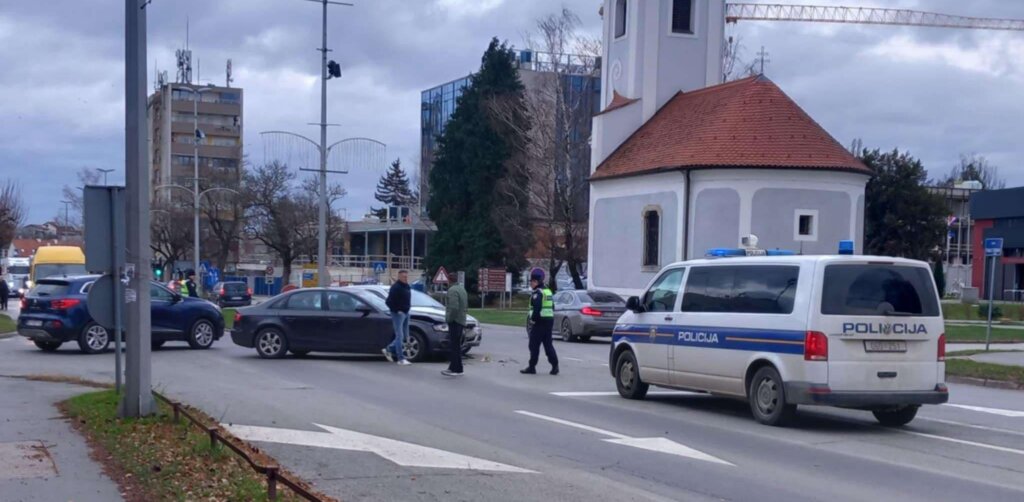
(863,15)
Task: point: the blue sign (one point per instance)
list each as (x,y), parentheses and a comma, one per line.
(379,267)
(994,246)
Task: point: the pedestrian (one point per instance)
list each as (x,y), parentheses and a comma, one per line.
(190,284)
(542,313)
(399,301)
(455,316)
(5,290)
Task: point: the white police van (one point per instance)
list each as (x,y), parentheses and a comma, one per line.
(862,332)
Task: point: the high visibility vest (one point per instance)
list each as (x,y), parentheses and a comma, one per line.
(547,305)
(184,288)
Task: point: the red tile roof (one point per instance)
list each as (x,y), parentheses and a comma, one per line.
(746,123)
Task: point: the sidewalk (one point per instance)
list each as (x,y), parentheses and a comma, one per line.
(41,457)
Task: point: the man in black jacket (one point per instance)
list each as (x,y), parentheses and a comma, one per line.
(399,301)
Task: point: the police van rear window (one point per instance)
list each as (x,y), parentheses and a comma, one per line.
(878,290)
(747,289)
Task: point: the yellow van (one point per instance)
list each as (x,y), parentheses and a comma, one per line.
(52,261)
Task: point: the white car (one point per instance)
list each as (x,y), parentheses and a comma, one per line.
(862,332)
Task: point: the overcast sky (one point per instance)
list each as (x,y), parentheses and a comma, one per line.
(935,92)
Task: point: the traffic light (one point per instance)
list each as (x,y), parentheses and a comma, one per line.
(158,273)
(333,70)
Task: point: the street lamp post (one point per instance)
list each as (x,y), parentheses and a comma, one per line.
(196,197)
(67,220)
(105,171)
(196,136)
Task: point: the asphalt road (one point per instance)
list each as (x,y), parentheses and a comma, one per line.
(524,442)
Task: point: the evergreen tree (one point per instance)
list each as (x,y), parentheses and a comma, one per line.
(901,217)
(477,183)
(393,189)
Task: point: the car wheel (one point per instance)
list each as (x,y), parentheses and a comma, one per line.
(201,335)
(47,346)
(566,331)
(896,417)
(767,396)
(156,344)
(93,339)
(271,344)
(627,380)
(415,347)
(299,353)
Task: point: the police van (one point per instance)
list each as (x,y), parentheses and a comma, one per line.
(861,332)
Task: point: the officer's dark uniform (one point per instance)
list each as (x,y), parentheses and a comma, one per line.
(542,313)
(193,291)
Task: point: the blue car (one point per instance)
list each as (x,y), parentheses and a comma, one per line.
(54,312)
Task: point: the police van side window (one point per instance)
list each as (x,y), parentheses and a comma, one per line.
(755,289)
(662,295)
(878,289)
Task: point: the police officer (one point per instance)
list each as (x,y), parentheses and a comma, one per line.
(190,284)
(542,313)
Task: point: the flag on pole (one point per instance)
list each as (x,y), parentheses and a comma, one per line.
(950,220)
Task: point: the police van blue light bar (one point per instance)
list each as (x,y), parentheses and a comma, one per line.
(846,247)
(734,252)
(724,252)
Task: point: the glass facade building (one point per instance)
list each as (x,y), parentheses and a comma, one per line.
(436,106)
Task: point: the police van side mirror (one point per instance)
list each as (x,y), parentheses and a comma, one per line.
(633,303)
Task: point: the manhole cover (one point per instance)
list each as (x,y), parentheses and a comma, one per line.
(25,459)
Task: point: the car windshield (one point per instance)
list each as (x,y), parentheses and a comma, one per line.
(44,270)
(17,269)
(421,299)
(600,297)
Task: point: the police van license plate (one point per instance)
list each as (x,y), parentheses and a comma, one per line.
(884,346)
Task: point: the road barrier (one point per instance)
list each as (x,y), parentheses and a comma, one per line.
(272,472)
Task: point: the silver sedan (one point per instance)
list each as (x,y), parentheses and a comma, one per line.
(581,314)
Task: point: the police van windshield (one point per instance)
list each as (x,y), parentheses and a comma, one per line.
(878,290)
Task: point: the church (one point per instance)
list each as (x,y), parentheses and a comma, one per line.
(682,163)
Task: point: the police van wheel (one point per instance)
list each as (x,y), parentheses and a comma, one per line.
(767,396)
(896,417)
(627,379)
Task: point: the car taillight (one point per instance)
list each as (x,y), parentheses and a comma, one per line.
(942,347)
(221,291)
(24,303)
(815,346)
(238,317)
(64,304)
(591,312)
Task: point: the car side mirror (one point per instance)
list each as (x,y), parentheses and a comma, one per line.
(633,303)
(176,298)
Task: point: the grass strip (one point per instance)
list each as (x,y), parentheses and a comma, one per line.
(7,324)
(154,458)
(989,371)
(972,333)
(503,317)
(964,353)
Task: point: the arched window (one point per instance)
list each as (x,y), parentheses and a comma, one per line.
(652,237)
(620,18)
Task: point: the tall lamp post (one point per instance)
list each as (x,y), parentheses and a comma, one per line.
(105,171)
(196,197)
(197,135)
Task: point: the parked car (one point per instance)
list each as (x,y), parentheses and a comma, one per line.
(427,326)
(580,314)
(347,320)
(54,311)
(230,294)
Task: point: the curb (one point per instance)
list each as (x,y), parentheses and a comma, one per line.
(985,382)
(8,335)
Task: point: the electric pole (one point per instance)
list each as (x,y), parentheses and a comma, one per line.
(137,400)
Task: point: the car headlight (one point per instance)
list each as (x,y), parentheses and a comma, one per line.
(441,327)
(476,329)
(28,284)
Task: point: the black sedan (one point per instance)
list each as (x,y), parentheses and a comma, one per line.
(320,320)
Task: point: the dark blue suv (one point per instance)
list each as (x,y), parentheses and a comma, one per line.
(54,311)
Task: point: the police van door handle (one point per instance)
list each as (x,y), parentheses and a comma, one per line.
(668,318)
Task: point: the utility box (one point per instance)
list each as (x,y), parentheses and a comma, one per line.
(104,221)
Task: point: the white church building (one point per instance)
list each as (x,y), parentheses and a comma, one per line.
(682,163)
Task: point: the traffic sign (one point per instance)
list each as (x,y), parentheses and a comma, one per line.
(379,267)
(441,277)
(492,280)
(270,270)
(994,246)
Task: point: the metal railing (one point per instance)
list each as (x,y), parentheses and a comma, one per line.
(272,472)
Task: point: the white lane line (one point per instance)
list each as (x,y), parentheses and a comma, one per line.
(614,393)
(993,411)
(399,452)
(658,444)
(573,424)
(970,443)
(572,359)
(973,426)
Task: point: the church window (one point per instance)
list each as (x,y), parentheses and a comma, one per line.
(652,237)
(620,18)
(682,16)
(806,223)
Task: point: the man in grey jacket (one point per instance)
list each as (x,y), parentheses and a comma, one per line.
(455,316)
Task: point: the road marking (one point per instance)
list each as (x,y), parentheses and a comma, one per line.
(660,445)
(399,452)
(973,426)
(572,359)
(971,443)
(614,393)
(993,411)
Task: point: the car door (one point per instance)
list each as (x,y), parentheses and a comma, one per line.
(562,303)
(305,320)
(161,310)
(660,311)
(351,326)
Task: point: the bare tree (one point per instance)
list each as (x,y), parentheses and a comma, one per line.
(12,211)
(171,232)
(559,106)
(73,194)
(224,213)
(308,202)
(975,167)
